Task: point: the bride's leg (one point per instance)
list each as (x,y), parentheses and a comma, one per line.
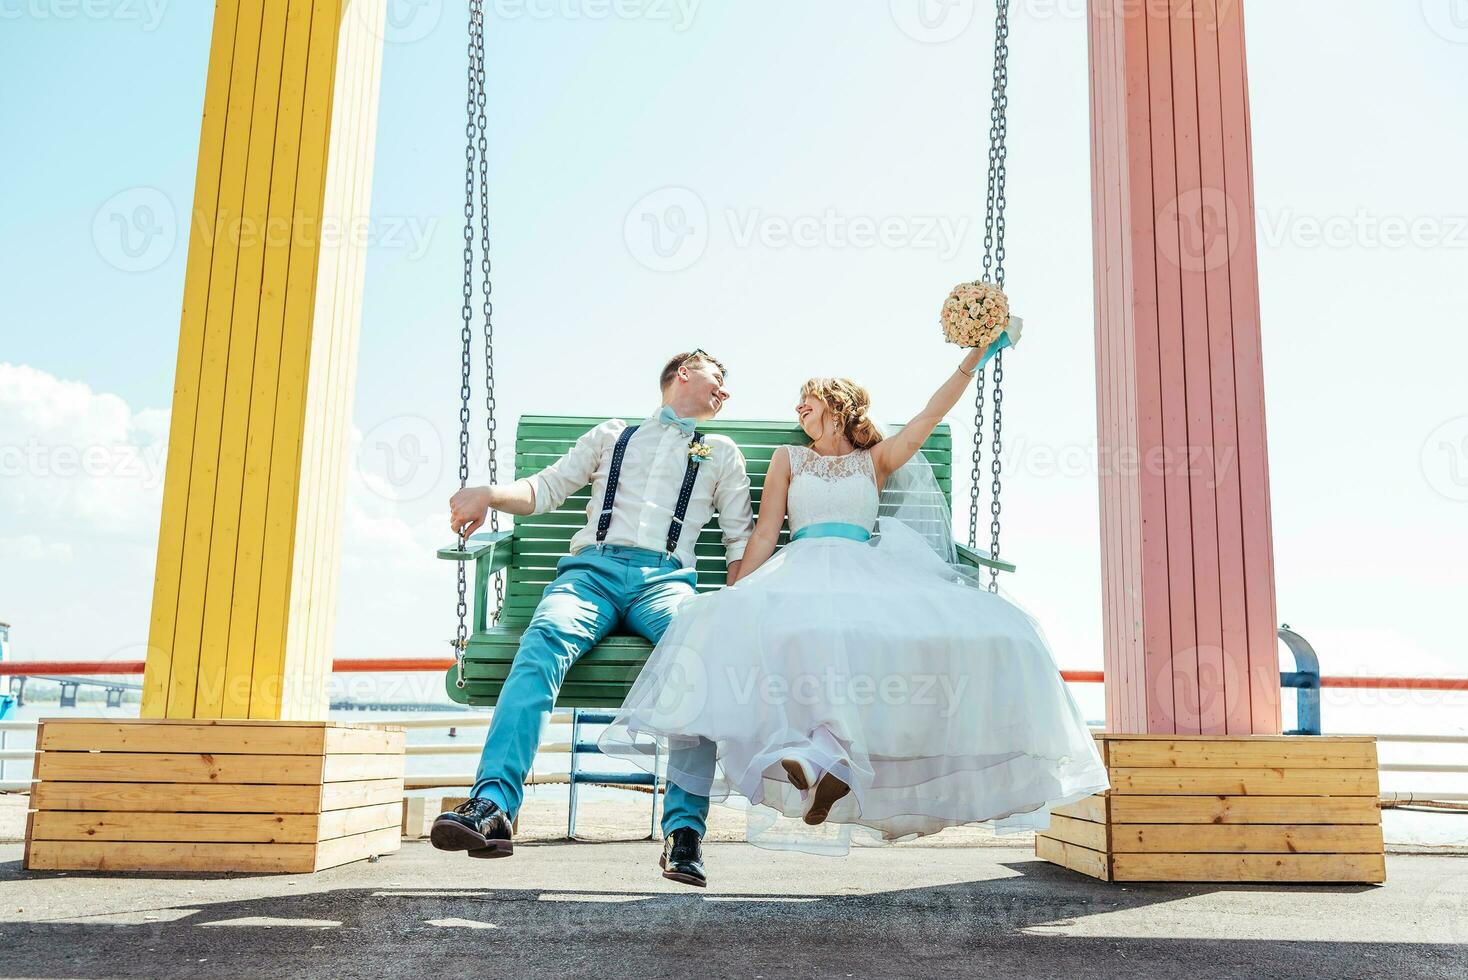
(830,787)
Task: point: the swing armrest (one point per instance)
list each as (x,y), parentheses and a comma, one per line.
(490,553)
(497,548)
(980,559)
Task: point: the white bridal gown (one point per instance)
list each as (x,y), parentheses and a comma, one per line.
(938,702)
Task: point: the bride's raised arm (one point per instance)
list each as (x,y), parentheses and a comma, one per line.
(771,514)
(889,455)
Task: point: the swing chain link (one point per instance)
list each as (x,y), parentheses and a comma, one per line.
(973,490)
(490,404)
(994,228)
(461,638)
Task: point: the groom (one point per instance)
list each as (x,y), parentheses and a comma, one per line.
(631,565)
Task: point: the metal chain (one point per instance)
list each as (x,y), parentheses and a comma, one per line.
(973,490)
(461,638)
(999,150)
(486,289)
(994,228)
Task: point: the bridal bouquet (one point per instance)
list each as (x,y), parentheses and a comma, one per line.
(975,314)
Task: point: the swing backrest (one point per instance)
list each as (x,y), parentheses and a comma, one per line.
(542,540)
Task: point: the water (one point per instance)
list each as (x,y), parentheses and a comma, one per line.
(1343,712)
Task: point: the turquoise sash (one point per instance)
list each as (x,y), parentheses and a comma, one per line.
(833,529)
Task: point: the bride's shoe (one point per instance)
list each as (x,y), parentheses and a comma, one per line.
(828,791)
(799,772)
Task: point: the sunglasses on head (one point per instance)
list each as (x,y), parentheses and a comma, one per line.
(698,352)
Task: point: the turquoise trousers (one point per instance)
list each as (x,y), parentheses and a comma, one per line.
(594,591)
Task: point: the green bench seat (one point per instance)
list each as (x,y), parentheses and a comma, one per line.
(529,553)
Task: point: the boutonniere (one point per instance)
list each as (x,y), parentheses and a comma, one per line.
(699,451)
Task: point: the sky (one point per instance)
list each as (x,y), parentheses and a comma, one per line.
(669,174)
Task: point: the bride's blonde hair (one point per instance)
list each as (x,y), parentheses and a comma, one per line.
(848,403)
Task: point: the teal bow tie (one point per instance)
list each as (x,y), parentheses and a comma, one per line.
(669,417)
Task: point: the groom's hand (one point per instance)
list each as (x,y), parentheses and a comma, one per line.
(468,508)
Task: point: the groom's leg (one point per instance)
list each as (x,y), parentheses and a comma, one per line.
(649,614)
(578,609)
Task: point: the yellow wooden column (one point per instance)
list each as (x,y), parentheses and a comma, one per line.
(244,594)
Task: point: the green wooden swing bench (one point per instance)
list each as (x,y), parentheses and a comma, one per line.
(529,553)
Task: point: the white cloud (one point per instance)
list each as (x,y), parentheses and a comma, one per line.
(81,488)
(30,547)
(75,461)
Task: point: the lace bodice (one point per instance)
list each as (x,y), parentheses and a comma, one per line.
(842,489)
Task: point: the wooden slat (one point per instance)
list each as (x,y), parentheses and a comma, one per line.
(30,815)
(199,655)
(363,31)
(160,767)
(250,621)
(342,850)
(1304,753)
(1092,808)
(1245,809)
(152,856)
(227,661)
(1223,469)
(359,820)
(1096,34)
(1249,867)
(231,723)
(1245,838)
(185,797)
(225,828)
(363,741)
(365,792)
(345,767)
(1253,457)
(276,681)
(240,740)
(164,655)
(1081,859)
(1230,739)
(1082,833)
(1245,782)
(1151,701)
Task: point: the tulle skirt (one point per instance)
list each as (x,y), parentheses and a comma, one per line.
(939,703)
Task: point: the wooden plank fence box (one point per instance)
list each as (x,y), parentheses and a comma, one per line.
(202,795)
(1255,808)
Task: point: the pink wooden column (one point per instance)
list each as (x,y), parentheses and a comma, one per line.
(1188,566)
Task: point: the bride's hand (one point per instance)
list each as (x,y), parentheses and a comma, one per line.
(970,362)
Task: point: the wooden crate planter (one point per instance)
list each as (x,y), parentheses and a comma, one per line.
(1255,808)
(199,795)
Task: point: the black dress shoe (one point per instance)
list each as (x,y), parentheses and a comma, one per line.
(478,826)
(682,858)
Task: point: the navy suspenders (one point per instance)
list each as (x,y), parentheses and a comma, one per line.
(690,476)
(614,477)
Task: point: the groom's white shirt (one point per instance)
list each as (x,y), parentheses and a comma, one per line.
(652,476)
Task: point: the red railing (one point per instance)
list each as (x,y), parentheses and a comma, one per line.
(89,668)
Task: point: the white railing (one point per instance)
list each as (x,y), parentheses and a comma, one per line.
(471,722)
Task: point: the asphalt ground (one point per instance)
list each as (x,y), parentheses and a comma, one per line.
(602,910)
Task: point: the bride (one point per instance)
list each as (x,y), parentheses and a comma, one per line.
(857,684)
